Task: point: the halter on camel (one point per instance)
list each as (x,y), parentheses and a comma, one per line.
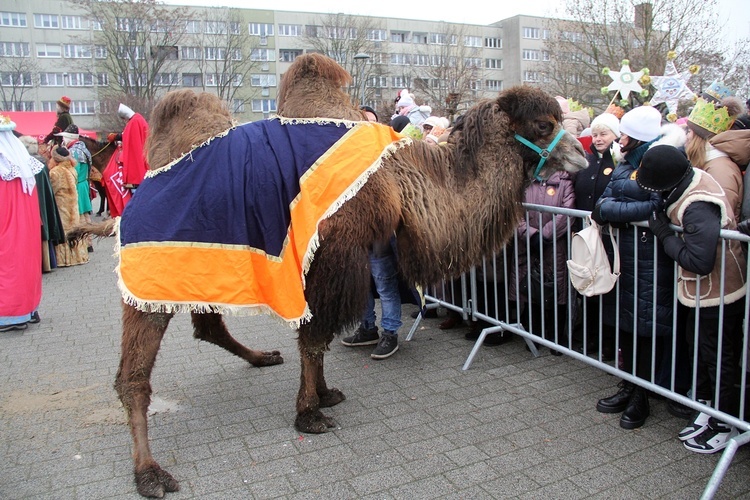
(543,153)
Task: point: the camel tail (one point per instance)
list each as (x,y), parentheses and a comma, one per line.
(100,230)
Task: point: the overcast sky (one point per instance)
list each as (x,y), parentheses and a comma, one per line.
(735,13)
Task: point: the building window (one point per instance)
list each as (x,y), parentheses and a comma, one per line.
(14,19)
(46,21)
(168,53)
(102,79)
(530,55)
(289,30)
(15,79)
(16,49)
(420,60)
(262,55)
(494,85)
(78,107)
(128,24)
(400,59)
(420,38)
(530,76)
(215,53)
(377,35)
(77,51)
(74,23)
(51,80)
(100,52)
(264,80)
(193,26)
(399,36)
(545,55)
(264,105)
(215,27)
(260,29)
(473,62)
(129,53)
(493,64)
(192,80)
(532,33)
(80,79)
(166,79)
(191,53)
(288,55)
(473,41)
(19,106)
(401,82)
(493,43)
(48,50)
(238,106)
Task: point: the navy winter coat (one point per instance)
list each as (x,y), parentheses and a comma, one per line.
(623,201)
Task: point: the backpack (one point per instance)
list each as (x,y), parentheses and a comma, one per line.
(588,267)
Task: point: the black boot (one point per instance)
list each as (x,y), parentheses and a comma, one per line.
(637,412)
(617,402)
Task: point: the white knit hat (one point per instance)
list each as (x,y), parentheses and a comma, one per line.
(125,112)
(607,120)
(642,123)
(406,99)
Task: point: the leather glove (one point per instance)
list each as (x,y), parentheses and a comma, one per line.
(596,215)
(534,242)
(744,227)
(659,225)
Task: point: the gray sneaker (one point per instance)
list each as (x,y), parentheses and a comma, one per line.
(362,336)
(386,347)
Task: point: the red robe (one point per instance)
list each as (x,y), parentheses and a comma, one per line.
(133,159)
(117,195)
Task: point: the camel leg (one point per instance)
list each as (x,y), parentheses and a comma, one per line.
(141,337)
(328,396)
(211,328)
(313,392)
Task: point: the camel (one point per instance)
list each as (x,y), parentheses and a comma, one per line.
(448,206)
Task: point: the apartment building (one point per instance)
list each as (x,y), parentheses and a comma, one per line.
(50,48)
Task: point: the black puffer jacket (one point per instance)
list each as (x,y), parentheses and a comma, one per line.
(623,201)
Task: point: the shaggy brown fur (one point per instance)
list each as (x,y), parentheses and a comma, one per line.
(448,207)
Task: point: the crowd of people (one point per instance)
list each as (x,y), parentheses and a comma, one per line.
(688,174)
(46,191)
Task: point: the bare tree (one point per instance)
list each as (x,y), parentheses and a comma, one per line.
(601,33)
(137,43)
(16,79)
(221,51)
(341,37)
(447,72)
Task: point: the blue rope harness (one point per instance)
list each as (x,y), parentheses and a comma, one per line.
(543,153)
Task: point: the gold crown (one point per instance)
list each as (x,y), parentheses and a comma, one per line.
(707,116)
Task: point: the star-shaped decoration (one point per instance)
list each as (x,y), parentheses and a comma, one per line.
(625,81)
(671,88)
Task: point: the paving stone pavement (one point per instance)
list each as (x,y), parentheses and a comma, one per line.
(413,426)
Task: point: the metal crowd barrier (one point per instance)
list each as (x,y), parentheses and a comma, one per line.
(486,294)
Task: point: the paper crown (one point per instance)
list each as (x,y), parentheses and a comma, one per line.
(716,92)
(709,118)
(6,123)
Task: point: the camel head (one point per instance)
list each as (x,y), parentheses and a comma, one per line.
(536,119)
(311,88)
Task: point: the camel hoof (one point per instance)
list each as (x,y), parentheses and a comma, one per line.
(331,397)
(154,482)
(268,358)
(313,422)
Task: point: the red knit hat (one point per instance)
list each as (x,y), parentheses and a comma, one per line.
(64,101)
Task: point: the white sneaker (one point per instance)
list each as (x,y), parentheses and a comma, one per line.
(697,425)
(715,438)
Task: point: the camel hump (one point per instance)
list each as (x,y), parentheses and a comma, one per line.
(314,66)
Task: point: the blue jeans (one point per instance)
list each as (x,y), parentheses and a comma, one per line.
(385,274)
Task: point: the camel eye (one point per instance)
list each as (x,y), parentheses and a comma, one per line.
(545,127)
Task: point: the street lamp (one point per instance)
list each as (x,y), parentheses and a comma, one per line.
(361,60)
